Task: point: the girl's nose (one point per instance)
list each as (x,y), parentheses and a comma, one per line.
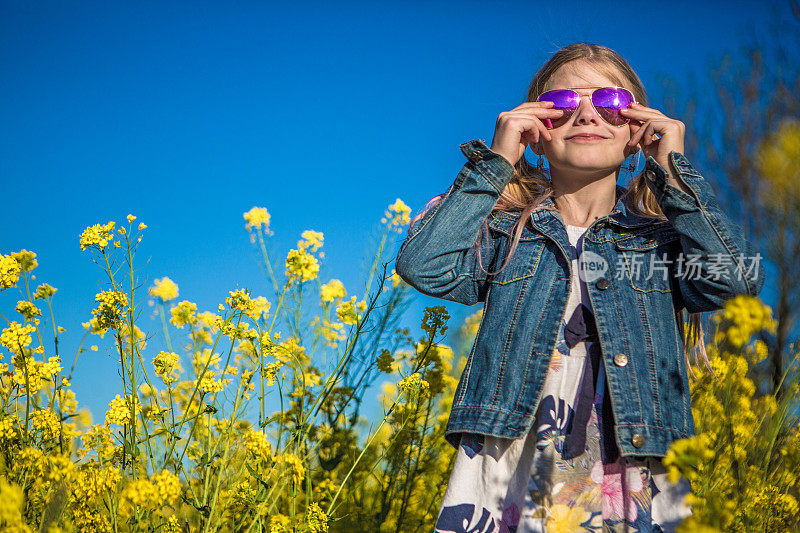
(586,112)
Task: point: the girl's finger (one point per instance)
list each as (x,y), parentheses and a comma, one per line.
(639,133)
(533,105)
(642,113)
(641,107)
(530,123)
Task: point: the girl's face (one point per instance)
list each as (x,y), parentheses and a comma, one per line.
(574,154)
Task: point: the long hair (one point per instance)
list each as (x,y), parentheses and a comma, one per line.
(529,187)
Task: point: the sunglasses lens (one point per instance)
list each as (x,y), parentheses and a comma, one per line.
(609,101)
(563,99)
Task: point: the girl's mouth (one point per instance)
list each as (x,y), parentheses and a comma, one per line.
(586,138)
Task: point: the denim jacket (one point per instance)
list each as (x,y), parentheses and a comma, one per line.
(639,318)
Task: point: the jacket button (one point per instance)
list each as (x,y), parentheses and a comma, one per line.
(620,359)
(477,155)
(637,440)
(602,284)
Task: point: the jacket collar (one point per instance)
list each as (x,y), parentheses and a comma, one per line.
(546,221)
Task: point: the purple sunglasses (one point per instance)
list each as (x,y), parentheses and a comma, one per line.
(607,101)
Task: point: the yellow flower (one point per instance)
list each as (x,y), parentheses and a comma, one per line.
(256,218)
(316,519)
(46,422)
(27,309)
(11,504)
(16,337)
(109,312)
(184,313)
(301,266)
(332,331)
(280,524)
(349,312)
(298,471)
(565,519)
(26,260)
(99,235)
(748,315)
(138,337)
(99,439)
(332,290)
(778,161)
(131,218)
(119,410)
(8,429)
(164,288)
(396,280)
(139,493)
(142,226)
(167,487)
(44,291)
(239,300)
(9,271)
(413,385)
(401,213)
(312,239)
(167,366)
(256,442)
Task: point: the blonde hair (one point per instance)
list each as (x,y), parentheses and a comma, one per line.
(529,186)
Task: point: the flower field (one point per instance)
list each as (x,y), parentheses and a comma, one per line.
(248,417)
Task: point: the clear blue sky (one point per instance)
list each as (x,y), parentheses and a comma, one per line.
(187,114)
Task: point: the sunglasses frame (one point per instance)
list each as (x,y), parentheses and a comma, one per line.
(580,97)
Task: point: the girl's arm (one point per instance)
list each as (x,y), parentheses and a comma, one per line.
(718,262)
(436,257)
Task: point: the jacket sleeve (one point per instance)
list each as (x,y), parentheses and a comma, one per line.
(717,262)
(437,258)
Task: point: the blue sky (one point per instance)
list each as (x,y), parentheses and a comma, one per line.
(187,114)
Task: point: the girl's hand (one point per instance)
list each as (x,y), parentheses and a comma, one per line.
(520,127)
(646,121)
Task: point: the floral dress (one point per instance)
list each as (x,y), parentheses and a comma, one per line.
(567,473)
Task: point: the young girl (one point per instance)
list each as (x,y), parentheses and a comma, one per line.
(577,382)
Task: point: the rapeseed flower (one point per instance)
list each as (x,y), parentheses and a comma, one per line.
(167,487)
(9,271)
(349,311)
(98,235)
(16,337)
(311,239)
(184,313)
(295,465)
(165,289)
(167,366)
(44,291)
(301,266)
(257,217)
(316,519)
(119,410)
(27,310)
(397,214)
(27,260)
(111,308)
(331,291)
(413,385)
(254,308)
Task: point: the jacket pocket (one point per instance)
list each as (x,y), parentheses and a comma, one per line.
(648,260)
(524,261)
